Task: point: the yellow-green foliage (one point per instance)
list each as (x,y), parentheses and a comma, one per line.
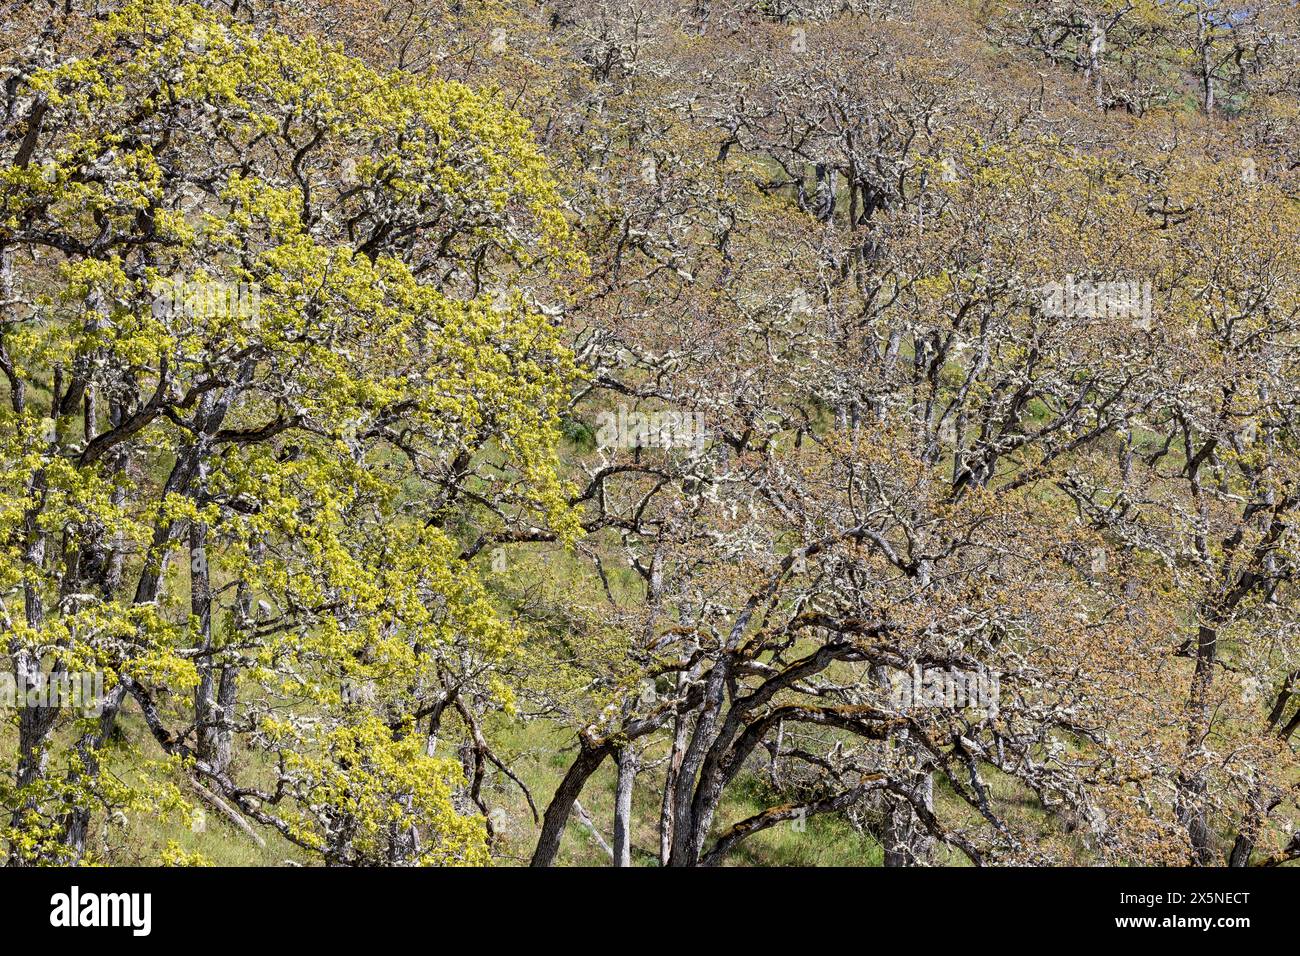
(370,361)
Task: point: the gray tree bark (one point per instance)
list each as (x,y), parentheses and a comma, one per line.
(627,770)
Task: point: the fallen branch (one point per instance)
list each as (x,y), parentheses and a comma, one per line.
(584,818)
(230,813)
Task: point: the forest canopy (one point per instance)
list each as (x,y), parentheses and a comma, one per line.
(458,432)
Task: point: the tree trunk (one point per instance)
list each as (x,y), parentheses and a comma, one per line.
(205,694)
(1191,785)
(561,805)
(1205,44)
(667,812)
(1096,58)
(905,839)
(627,770)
